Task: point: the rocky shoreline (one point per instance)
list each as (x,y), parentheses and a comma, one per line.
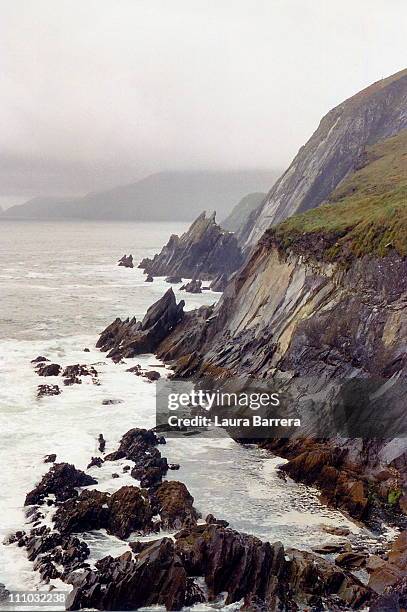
(199,561)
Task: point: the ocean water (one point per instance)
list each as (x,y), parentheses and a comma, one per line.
(60,286)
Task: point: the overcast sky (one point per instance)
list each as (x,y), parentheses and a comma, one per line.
(94,93)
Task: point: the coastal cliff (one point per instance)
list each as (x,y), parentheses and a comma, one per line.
(332,152)
(322,301)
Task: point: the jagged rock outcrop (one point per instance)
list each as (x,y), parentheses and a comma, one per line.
(334,150)
(194,286)
(126,261)
(204,251)
(131,337)
(165,572)
(61,481)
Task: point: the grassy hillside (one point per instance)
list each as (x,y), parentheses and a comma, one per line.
(366,214)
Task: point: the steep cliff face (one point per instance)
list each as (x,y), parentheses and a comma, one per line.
(308,328)
(205,251)
(377,112)
(320,306)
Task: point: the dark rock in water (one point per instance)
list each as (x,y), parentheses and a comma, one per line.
(174,504)
(174,466)
(68,382)
(95,462)
(50,458)
(61,481)
(152,375)
(48,390)
(135,443)
(51,369)
(131,338)
(194,286)
(148,279)
(74,372)
(135,370)
(204,251)
(126,468)
(111,402)
(173,279)
(102,443)
(78,370)
(149,467)
(86,350)
(115,475)
(126,261)
(138,445)
(39,359)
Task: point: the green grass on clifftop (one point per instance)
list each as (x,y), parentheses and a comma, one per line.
(366,214)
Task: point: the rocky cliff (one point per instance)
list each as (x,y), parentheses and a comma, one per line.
(334,150)
(321,302)
(205,251)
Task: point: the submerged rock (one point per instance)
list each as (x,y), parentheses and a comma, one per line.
(48,390)
(173,279)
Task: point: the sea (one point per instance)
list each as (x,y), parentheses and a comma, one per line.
(60,286)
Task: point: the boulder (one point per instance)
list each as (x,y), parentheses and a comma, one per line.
(148,279)
(152,375)
(48,369)
(125,511)
(173,502)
